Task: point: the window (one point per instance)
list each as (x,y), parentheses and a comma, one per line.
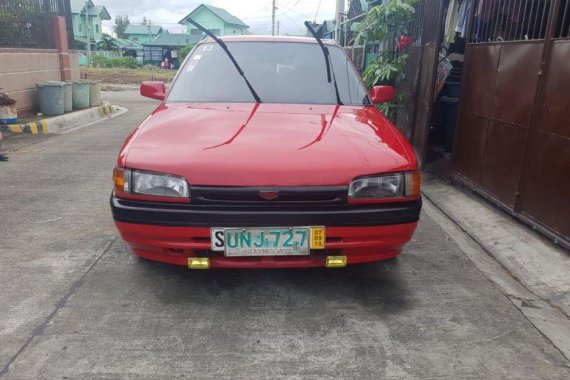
(80,28)
(283,72)
(216,32)
(96,28)
(195,31)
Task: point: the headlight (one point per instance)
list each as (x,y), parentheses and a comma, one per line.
(161,185)
(150,183)
(394,185)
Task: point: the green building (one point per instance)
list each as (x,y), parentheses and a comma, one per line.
(216,20)
(86,18)
(166,45)
(142,33)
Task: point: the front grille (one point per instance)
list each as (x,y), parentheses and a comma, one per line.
(325,195)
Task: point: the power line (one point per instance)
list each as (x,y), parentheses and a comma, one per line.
(317,12)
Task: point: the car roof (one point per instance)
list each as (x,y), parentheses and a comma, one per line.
(263,38)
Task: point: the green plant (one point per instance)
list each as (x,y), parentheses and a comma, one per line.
(387,69)
(107,43)
(119,62)
(384,24)
(99,61)
(124,62)
(182,53)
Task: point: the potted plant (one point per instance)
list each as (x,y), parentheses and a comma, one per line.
(8,112)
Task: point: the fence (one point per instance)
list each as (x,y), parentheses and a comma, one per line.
(103,53)
(27,23)
(513,134)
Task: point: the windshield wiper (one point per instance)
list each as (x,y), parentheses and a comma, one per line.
(230,56)
(327,60)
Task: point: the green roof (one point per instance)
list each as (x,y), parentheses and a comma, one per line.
(143,29)
(224,15)
(174,39)
(99,10)
(124,43)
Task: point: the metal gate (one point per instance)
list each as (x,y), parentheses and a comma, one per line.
(512,142)
(414,116)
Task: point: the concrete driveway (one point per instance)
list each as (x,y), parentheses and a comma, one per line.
(76,303)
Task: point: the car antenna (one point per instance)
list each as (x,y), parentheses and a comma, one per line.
(230,56)
(327,60)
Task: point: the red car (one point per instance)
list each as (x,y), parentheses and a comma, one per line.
(266,152)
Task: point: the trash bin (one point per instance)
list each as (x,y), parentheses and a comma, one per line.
(80,94)
(51,96)
(68,97)
(450,106)
(94,94)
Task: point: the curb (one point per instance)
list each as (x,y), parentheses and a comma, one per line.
(58,123)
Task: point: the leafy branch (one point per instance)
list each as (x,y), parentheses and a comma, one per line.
(386,24)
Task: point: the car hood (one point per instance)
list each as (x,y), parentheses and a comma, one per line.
(267,144)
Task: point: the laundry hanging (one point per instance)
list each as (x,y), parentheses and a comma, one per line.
(462,19)
(451,21)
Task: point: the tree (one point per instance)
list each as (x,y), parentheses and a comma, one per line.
(107,43)
(182,53)
(121,23)
(144,21)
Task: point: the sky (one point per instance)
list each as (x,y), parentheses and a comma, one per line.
(256,13)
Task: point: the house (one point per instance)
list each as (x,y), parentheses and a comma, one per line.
(142,33)
(217,20)
(166,45)
(86,19)
(129,48)
(324,30)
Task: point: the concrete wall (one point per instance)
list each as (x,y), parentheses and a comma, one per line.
(21,69)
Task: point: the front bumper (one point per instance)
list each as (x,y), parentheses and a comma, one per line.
(173,233)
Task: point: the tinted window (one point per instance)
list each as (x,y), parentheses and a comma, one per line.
(280,72)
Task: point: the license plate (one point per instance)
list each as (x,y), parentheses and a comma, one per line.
(271,241)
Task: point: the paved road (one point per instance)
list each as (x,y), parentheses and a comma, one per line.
(75,303)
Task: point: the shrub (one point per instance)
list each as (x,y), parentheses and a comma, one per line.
(124,62)
(99,61)
(182,53)
(120,62)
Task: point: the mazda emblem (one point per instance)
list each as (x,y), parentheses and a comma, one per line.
(269,195)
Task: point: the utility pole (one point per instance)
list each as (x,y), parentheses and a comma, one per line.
(87,30)
(273,8)
(278,27)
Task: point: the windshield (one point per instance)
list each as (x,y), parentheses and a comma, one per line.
(280,72)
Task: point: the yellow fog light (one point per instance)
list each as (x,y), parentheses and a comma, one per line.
(198,263)
(336,261)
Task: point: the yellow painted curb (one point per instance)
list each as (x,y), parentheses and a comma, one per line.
(41,126)
(44,126)
(15,128)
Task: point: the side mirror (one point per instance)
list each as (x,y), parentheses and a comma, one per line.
(153,90)
(382,94)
